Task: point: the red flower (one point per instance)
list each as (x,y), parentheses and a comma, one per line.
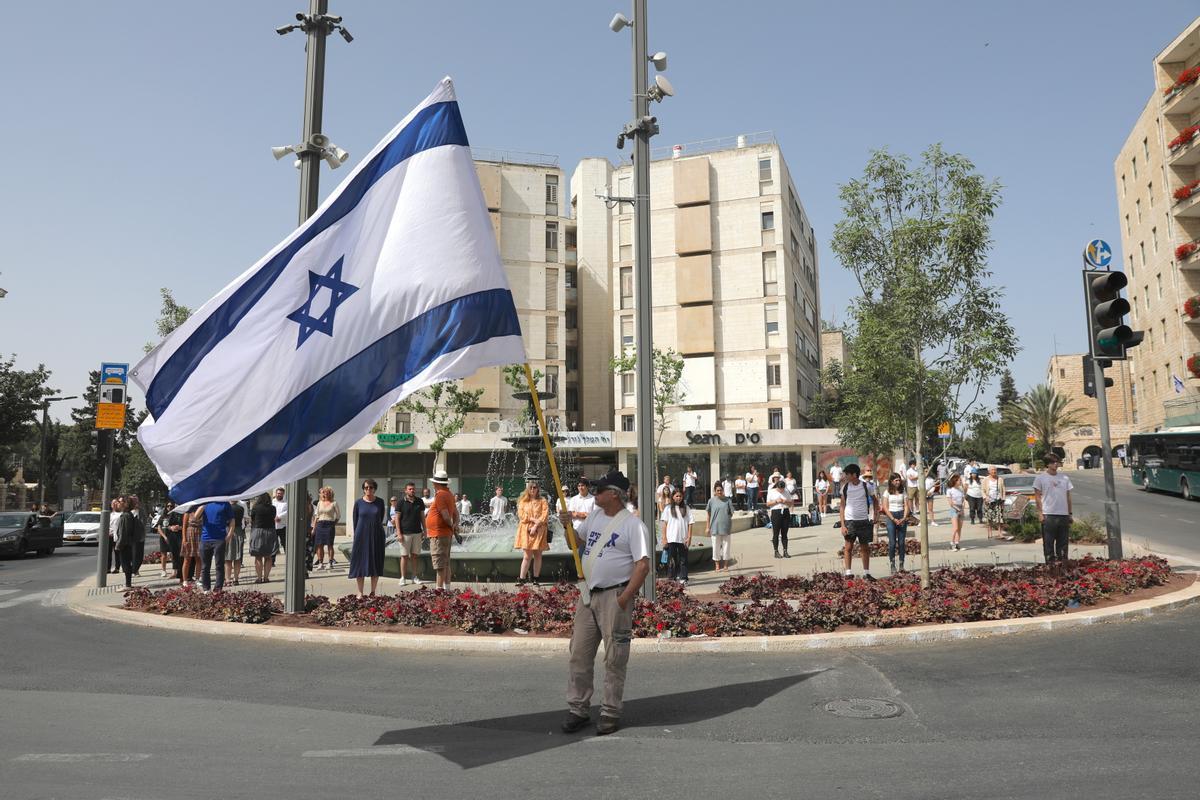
(1185,250)
(1185,77)
(1191,306)
(1184,137)
(1186,191)
(1193,365)
(659,626)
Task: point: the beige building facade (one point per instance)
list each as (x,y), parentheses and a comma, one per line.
(1065,374)
(1158,195)
(735,285)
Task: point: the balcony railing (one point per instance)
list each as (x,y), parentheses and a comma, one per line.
(1188,253)
(1182,149)
(1185,81)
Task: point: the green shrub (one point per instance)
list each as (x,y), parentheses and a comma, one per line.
(1089,530)
(1028,528)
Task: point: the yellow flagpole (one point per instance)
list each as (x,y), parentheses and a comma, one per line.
(562,500)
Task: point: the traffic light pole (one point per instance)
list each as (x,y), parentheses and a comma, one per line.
(1112,511)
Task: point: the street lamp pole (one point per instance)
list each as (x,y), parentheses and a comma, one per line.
(42,462)
(313,147)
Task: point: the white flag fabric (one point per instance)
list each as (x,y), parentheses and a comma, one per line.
(395,283)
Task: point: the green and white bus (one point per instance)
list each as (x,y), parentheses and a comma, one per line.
(1167,461)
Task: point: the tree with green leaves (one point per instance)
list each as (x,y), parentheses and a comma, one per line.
(21,395)
(994,442)
(1008,391)
(1043,413)
(668,377)
(444,406)
(170,317)
(79,445)
(928,330)
(829,404)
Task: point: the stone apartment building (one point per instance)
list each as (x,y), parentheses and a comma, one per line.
(1065,375)
(735,284)
(1157,176)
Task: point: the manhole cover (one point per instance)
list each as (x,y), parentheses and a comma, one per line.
(863,708)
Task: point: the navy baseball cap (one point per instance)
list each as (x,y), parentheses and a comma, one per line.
(616,479)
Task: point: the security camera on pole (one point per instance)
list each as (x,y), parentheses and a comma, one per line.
(1109,338)
(640,130)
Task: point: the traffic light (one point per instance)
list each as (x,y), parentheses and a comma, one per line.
(1089,375)
(1108,336)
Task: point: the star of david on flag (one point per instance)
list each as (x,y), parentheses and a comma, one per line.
(395,283)
(339,290)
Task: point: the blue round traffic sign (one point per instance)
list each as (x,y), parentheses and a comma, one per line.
(1098,254)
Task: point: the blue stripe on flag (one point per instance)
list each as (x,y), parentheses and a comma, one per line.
(435,126)
(341,395)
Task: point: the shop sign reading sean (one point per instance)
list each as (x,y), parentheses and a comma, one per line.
(741,438)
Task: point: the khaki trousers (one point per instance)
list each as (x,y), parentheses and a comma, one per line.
(603,621)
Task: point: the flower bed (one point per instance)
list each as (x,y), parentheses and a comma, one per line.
(1188,76)
(1191,306)
(1185,191)
(777,606)
(912,547)
(1185,137)
(1185,250)
(1193,365)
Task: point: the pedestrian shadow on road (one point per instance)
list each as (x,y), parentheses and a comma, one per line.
(483,742)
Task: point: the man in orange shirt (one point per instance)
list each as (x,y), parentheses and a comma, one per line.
(441,522)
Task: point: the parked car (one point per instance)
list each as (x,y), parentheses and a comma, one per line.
(1018,491)
(1000,470)
(82,527)
(21,531)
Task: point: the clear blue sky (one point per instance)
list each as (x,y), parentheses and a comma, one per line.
(138,133)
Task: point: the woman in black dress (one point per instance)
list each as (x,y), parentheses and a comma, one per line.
(366,555)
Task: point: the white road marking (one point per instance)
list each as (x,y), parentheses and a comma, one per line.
(1188,521)
(28,598)
(70,758)
(8,591)
(369,752)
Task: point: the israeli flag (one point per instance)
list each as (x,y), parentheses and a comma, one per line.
(394,284)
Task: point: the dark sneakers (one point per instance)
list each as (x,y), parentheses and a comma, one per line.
(607,725)
(575,723)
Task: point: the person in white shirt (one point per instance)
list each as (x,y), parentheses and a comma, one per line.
(975,497)
(780,501)
(911,478)
(929,486)
(615,574)
(498,505)
(752,488)
(822,489)
(676,529)
(858,520)
(689,485)
(895,509)
(835,480)
(464,505)
(993,494)
(739,493)
(426,498)
(581,506)
(727,487)
(776,477)
(955,495)
(281,515)
(662,495)
(789,483)
(1052,490)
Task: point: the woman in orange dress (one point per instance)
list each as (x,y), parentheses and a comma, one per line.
(532,516)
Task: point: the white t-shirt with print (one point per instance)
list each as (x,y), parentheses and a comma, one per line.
(624,546)
(677,526)
(1053,489)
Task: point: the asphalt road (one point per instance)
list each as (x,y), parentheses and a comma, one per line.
(1168,524)
(102,710)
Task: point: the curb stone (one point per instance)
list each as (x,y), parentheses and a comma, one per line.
(917,634)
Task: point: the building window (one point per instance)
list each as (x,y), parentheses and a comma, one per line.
(627,422)
(572,318)
(552,385)
(1154,240)
(768,220)
(1146,147)
(1150,192)
(552,338)
(628,384)
(1131,266)
(775,419)
(625,240)
(795,248)
(570,278)
(626,331)
(770,274)
(764,170)
(774,373)
(626,287)
(771,313)
(796,291)
(1158,279)
(551,241)
(572,359)
(1128,231)
(552,195)
(1062,373)
(1133,163)
(1137,206)
(810,313)
(1123,187)
(572,399)
(1142,250)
